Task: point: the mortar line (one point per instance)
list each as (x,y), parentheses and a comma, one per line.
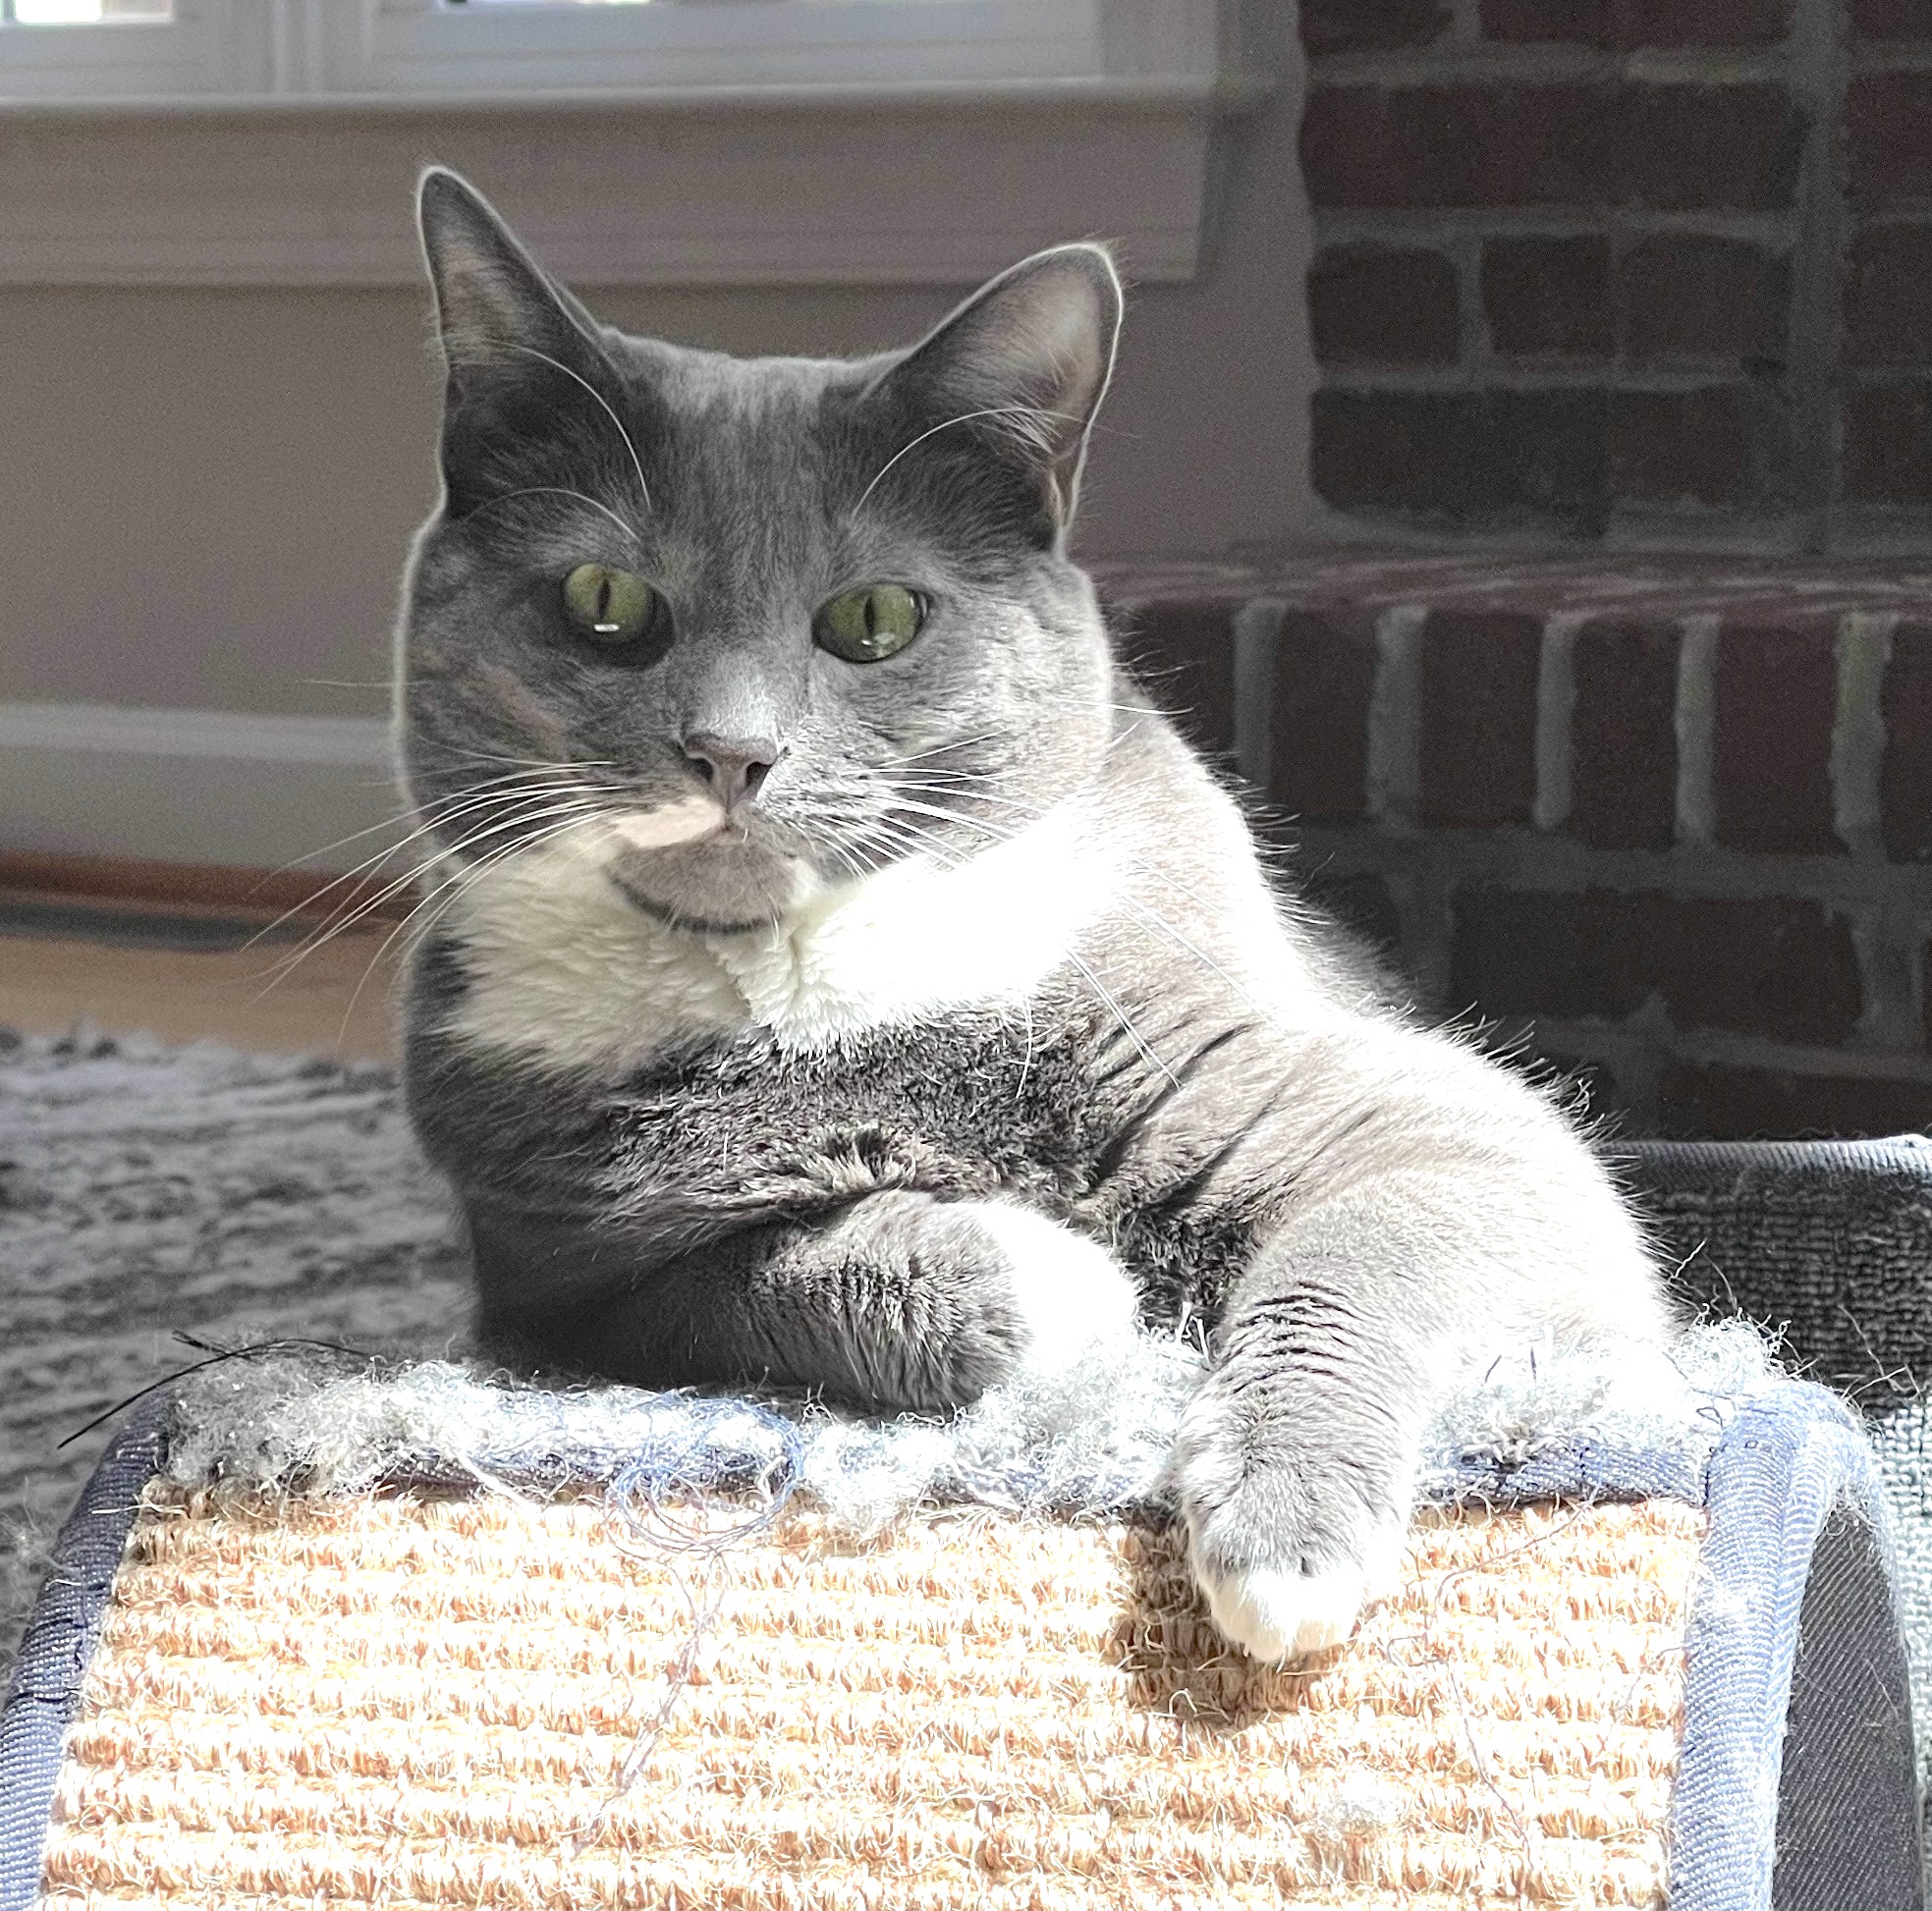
(1696,818)
(1556,705)
(1818,66)
(1395,717)
(1256,628)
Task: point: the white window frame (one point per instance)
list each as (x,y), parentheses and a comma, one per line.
(210,50)
(712,141)
(423,49)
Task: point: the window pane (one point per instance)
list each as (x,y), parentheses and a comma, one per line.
(82,13)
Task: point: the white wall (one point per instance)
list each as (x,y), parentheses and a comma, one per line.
(206,494)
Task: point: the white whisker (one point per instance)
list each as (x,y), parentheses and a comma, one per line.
(636,463)
(579,806)
(964,418)
(562,491)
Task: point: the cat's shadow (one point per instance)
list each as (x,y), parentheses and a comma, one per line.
(1176,1661)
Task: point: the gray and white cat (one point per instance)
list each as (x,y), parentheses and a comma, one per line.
(840,975)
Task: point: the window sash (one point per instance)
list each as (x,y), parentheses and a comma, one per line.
(421,52)
(213,50)
(417,46)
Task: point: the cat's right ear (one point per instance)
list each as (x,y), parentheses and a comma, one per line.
(493,300)
(517,347)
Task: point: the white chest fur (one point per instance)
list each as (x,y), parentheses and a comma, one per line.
(563,968)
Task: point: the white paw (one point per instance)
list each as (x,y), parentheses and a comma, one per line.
(1071,1292)
(1277,1615)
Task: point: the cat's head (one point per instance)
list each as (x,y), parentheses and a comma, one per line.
(741,630)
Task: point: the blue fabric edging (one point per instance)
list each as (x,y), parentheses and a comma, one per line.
(60,1642)
(1785,1461)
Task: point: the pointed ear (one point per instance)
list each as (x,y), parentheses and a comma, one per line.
(491,296)
(1026,361)
(526,372)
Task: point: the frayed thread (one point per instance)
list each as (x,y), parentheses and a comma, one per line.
(1092,1437)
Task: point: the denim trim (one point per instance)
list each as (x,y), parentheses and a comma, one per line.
(1783,1465)
(59,1644)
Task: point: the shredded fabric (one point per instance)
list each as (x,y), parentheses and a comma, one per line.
(1609,1421)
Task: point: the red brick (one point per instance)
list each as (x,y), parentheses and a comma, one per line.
(1469,145)
(1547,295)
(1586,1084)
(1377,304)
(1702,22)
(1681,447)
(1767,965)
(1318,725)
(1729,148)
(1683,297)
(1758,966)
(1588,22)
(1888,444)
(1726,1104)
(1386,449)
(1906,774)
(1774,699)
(1622,736)
(1886,295)
(1478,719)
(1630,24)
(1545,953)
(1183,654)
(1367,26)
(1361,903)
(1888,155)
(1579,145)
(1891,19)
(1463,459)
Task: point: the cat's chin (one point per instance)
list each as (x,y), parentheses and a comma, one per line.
(720,886)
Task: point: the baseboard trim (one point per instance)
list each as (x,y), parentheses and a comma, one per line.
(197,886)
(146,730)
(195,788)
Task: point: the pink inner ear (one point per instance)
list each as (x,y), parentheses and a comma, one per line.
(1054,340)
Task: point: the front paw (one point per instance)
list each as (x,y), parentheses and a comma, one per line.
(1293,1527)
(927,1303)
(1065,1289)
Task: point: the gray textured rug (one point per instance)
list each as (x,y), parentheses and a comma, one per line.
(146,1190)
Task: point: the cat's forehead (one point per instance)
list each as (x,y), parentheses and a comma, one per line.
(690,380)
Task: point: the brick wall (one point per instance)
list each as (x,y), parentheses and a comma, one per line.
(1666,822)
(1644,269)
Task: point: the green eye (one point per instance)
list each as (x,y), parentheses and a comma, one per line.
(863,625)
(611,607)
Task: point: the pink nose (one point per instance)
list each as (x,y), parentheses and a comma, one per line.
(733,766)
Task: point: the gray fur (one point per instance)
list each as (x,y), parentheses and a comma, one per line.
(1360,1211)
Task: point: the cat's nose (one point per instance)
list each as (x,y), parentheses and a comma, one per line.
(733,766)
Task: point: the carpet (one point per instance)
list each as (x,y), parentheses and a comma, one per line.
(147,1189)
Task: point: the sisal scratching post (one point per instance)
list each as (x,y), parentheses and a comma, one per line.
(382,1634)
(405,1702)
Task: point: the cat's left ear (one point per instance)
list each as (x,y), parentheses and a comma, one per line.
(1025,363)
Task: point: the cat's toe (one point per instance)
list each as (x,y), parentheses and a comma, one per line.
(1292,1530)
(1067,1291)
(1275,1615)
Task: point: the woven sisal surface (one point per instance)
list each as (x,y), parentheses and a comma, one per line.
(490,1703)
